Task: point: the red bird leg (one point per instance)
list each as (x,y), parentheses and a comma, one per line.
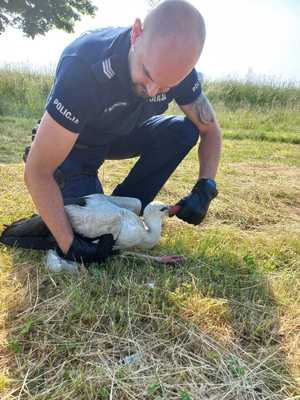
(159,259)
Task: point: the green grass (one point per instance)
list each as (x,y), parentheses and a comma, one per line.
(269,124)
(15,135)
(275,124)
(224,325)
(262,94)
(23,92)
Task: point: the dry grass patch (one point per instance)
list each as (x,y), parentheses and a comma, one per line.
(289,319)
(254,195)
(211,315)
(112,335)
(222,326)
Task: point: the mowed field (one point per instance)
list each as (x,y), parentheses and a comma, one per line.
(224,325)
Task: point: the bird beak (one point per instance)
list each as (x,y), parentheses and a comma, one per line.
(173,210)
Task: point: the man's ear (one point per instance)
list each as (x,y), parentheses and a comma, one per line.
(136,31)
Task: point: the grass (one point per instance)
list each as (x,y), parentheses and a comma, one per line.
(23,92)
(225,325)
(262,94)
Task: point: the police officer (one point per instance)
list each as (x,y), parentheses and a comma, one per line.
(110,89)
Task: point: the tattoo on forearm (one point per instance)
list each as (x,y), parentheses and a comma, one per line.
(204,110)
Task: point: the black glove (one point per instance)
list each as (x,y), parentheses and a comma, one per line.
(194,206)
(84,250)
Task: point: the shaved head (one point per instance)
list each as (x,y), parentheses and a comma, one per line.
(176,20)
(169,43)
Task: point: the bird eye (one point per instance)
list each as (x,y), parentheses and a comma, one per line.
(164,209)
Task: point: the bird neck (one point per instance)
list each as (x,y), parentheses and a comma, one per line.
(152,234)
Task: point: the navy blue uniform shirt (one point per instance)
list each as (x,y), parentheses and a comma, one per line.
(92,93)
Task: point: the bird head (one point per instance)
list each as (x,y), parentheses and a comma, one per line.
(161,210)
(156,210)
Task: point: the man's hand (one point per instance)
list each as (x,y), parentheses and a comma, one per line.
(194,206)
(84,250)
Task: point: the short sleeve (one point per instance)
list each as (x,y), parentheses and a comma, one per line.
(73,100)
(188,90)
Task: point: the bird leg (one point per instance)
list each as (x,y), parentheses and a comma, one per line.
(171,260)
(55,263)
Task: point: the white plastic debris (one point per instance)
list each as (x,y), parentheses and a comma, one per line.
(151,285)
(133,358)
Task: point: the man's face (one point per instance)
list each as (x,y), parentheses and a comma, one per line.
(144,83)
(152,66)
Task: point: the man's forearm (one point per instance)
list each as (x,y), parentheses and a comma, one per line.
(209,153)
(47,198)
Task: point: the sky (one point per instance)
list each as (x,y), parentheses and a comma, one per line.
(257,39)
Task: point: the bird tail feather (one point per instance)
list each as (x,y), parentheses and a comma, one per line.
(28,233)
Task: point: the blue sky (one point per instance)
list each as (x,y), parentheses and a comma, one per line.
(256,37)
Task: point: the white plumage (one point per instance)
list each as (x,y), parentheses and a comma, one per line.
(119,216)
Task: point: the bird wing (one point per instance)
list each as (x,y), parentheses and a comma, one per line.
(93,220)
(130,203)
(132,231)
(28,233)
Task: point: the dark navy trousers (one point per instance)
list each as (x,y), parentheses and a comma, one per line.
(161,143)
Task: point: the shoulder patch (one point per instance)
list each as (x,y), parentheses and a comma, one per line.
(107,69)
(196,86)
